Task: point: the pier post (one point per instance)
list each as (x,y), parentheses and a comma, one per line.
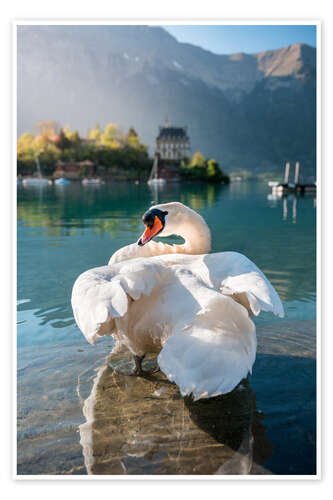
(286,173)
(296,172)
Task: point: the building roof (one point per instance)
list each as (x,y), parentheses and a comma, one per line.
(167,132)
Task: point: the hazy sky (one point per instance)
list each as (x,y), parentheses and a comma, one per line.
(249,39)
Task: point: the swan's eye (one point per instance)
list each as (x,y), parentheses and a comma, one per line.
(149,217)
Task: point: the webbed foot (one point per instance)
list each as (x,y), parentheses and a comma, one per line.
(137,370)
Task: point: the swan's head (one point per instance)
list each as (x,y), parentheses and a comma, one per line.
(168,219)
(154,220)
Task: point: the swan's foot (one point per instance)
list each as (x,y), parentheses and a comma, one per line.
(137,370)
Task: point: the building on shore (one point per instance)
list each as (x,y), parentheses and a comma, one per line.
(172,146)
(75,170)
(172,143)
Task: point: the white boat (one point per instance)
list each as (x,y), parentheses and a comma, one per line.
(39,180)
(158,181)
(36,181)
(154,180)
(92,181)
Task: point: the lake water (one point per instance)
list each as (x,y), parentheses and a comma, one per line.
(64,230)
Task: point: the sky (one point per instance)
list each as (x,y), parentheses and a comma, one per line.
(249,39)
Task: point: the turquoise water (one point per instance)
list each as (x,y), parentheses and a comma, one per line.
(66,229)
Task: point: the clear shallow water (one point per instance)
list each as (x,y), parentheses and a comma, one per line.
(64,230)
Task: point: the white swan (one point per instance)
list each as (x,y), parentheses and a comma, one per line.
(191,307)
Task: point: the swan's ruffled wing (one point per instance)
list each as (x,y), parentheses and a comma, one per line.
(233,273)
(214,353)
(101,294)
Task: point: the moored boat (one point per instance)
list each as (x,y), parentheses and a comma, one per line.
(62,180)
(154,180)
(94,180)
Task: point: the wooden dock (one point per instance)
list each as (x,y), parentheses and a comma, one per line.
(286,187)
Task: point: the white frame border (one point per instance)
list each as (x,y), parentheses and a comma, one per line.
(319,369)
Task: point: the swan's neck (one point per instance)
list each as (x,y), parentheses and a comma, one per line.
(196,235)
(193,229)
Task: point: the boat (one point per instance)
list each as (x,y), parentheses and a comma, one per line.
(36,181)
(95,180)
(39,180)
(62,180)
(154,180)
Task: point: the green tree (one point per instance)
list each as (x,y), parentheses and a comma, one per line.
(73,137)
(63,142)
(213,170)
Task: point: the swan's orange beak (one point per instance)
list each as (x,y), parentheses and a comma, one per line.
(151,231)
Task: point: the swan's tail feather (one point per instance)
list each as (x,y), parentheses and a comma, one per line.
(214,354)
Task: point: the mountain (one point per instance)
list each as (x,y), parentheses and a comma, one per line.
(252,111)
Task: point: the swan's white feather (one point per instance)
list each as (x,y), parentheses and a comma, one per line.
(214,354)
(102,294)
(192,309)
(238,274)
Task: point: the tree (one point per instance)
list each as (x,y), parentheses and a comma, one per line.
(95,134)
(67,131)
(24,143)
(40,143)
(110,136)
(73,137)
(213,170)
(198,160)
(47,128)
(133,138)
(63,142)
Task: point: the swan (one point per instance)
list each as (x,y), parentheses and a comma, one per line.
(191,307)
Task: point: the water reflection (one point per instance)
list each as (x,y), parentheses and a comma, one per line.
(63,210)
(289,203)
(143,426)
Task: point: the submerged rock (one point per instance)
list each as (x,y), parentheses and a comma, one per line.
(144,426)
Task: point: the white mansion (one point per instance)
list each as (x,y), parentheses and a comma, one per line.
(172,143)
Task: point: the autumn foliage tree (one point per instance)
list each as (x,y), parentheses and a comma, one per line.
(109,149)
(110,136)
(95,134)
